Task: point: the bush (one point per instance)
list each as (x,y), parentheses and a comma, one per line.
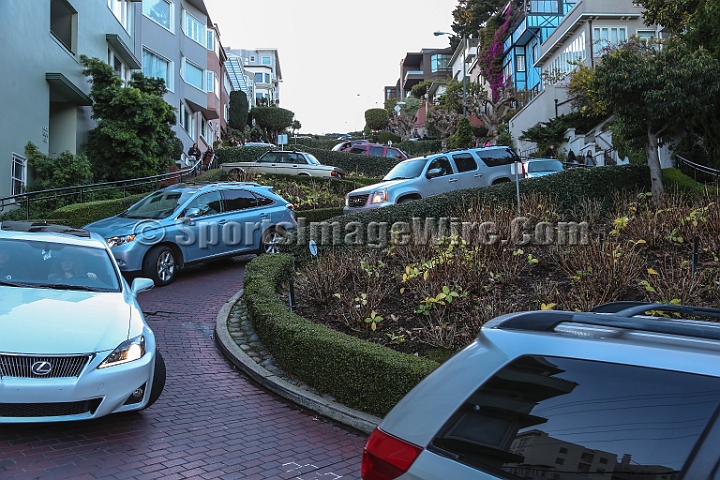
(80,214)
(359,374)
(675,180)
(385,136)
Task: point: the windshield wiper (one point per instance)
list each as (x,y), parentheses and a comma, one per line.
(398,178)
(14,284)
(65,286)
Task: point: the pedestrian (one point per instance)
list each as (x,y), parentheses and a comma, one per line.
(208,158)
(572,159)
(550,152)
(488,143)
(589,160)
(194,154)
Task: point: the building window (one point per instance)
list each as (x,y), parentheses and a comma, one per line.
(210,40)
(267,78)
(252,58)
(608,37)
(211,82)
(520,60)
(194,28)
(18,174)
(187,120)
(440,63)
(646,34)
(123,11)
(563,450)
(559,461)
(204,130)
(258,78)
(63,23)
(226,112)
(216,83)
(159,11)
(266,61)
(192,74)
(158,67)
(121,70)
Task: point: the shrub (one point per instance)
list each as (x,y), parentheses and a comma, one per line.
(80,214)
(385,136)
(359,374)
(675,180)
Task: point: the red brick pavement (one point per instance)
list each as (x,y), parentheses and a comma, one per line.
(210,422)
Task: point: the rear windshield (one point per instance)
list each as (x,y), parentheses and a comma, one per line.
(569,419)
(496,157)
(544,166)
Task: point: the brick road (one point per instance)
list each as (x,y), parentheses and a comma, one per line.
(210,422)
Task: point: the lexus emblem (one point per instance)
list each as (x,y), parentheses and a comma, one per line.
(41,368)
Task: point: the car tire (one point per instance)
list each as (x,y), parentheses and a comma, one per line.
(159,377)
(160,265)
(270,240)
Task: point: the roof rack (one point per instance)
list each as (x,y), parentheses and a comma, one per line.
(30,227)
(623,315)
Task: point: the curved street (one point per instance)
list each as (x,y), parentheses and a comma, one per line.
(210,422)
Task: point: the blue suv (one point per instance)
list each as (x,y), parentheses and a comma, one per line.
(191,223)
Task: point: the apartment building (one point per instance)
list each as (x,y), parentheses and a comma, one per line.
(580,37)
(262,66)
(44,93)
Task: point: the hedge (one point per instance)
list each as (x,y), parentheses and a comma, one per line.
(359,374)
(80,214)
(570,187)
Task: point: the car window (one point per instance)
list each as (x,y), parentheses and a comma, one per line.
(577,419)
(262,200)
(377,151)
(208,203)
(497,157)
(311,159)
(270,157)
(443,164)
(293,158)
(239,199)
(465,162)
(544,166)
(358,149)
(394,153)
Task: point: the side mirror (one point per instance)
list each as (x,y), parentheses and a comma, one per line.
(141,284)
(434,172)
(192,212)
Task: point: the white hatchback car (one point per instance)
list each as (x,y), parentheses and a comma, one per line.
(74,343)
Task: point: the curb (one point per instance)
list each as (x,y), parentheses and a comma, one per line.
(357,420)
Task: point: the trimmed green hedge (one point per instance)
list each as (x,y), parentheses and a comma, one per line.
(359,374)
(317,215)
(80,214)
(675,180)
(570,187)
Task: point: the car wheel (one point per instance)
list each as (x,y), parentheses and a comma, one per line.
(235,171)
(158,383)
(270,241)
(160,265)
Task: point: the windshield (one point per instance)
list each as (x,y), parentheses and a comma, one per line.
(407,169)
(158,205)
(27,263)
(312,160)
(544,166)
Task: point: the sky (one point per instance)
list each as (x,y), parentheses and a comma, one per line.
(335,56)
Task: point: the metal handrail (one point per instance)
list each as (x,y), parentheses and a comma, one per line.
(696,167)
(81,191)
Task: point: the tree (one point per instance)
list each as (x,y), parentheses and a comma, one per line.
(671,14)
(376,118)
(295,126)
(272,120)
(491,109)
(239,106)
(133,137)
(470,15)
(402,124)
(444,122)
(464,133)
(655,88)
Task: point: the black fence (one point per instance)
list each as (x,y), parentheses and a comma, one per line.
(57,197)
(701,173)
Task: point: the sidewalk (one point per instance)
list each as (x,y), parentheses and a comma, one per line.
(258,365)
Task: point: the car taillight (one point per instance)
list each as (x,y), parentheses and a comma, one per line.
(290,206)
(386,457)
(524,170)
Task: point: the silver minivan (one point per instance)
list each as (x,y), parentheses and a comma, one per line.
(430,175)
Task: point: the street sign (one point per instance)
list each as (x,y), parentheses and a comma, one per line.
(313,248)
(397,108)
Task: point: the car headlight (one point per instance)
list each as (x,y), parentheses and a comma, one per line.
(128,351)
(120,240)
(379,196)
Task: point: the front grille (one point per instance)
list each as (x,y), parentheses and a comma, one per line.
(21,366)
(15,410)
(357,201)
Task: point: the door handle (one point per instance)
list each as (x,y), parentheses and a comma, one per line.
(452,180)
(478,175)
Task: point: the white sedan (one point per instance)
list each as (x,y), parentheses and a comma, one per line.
(74,342)
(282,162)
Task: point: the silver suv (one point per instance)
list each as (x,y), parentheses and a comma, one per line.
(423,177)
(607,394)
